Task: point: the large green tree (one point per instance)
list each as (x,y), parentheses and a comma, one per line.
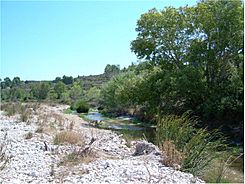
(16,81)
(7,82)
(193,60)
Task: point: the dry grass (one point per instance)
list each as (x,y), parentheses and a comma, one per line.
(23,110)
(59,120)
(84,154)
(39,129)
(3,158)
(24,113)
(173,158)
(33,106)
(10,108)
(77,157)
(70,137)
(71,126)
(222,170)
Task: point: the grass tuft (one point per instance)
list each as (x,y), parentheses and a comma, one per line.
(77,157)
(173,157)
(194,149)
(70,137)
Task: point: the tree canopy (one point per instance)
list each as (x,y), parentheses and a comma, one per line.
(192,60)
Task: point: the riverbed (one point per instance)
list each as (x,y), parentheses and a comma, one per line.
(130,127)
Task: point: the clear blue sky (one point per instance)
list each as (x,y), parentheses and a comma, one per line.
(42,40)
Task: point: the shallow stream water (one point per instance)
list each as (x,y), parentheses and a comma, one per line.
(133,130)
(126,125)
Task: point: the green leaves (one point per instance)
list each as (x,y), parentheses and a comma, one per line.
(162,36)
(40,91)
(199,51)
(59,88)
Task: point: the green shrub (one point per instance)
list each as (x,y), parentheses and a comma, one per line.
(73,106)
(81,107)
(198,147)
(68,111)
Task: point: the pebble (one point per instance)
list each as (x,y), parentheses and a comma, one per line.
(29,163)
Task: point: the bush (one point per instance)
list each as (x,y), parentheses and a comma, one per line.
(80,106)
(73,106)
(197,148)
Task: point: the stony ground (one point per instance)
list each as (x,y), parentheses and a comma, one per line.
(32,156)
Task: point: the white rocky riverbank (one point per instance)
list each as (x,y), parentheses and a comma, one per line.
(30,162)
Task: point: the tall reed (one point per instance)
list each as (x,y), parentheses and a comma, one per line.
(198,147)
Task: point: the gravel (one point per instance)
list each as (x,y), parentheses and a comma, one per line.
(28,162)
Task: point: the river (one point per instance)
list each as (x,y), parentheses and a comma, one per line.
(130,127)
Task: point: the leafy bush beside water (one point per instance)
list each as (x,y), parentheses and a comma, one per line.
(80,106)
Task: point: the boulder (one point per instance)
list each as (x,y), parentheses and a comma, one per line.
(145,148)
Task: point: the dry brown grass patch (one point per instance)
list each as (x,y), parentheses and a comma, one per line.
(77,157)
(173,158)
(40,129)
(70,137)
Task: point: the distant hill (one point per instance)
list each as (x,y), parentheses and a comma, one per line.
(93,80)
(87,81)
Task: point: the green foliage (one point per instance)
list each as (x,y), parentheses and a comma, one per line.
(118,94)
(111,70)
(57,79)
(59,88)
(14,94)
(76,91)
(192,60)
(82,107)
(52,95)
(40,90)
(67,80)
(68,111)
(5,94)
(93,96)
(198,146)
(65,98)
(7,82)
(16,81)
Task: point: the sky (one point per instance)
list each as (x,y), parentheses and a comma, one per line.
(41,40)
